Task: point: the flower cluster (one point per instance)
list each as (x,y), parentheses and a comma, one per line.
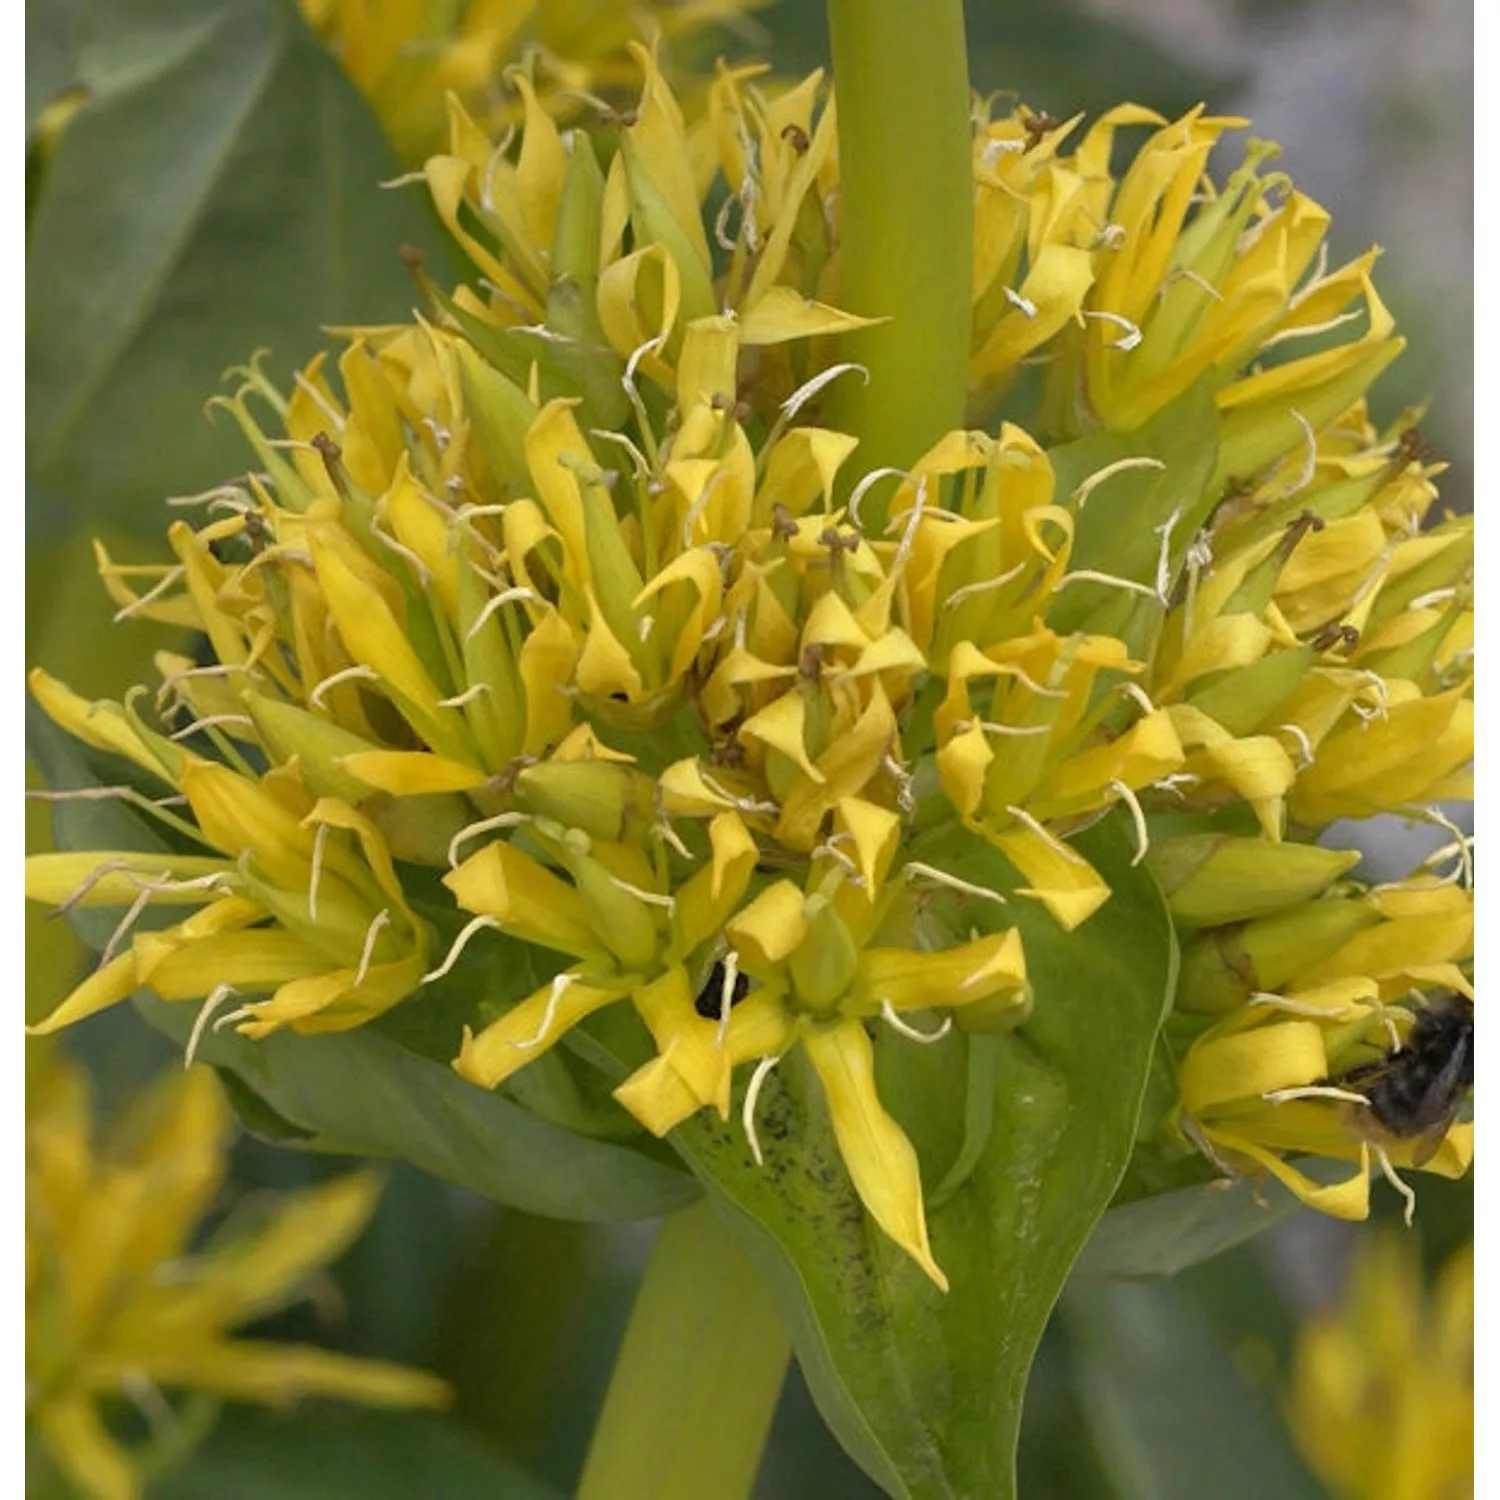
(564,587)
(121,1305)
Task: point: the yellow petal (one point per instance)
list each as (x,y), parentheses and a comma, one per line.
(1061,879)
(526,898)
(116,981)
(411,773)
(1223,1069)
(82,1448)
(771,926)
(507,1045)
(782,313)
(880,1159)
(1349,1199)
(912,980)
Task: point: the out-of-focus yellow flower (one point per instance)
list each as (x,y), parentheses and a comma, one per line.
(121,1304)
(1382,1389)
(406,56)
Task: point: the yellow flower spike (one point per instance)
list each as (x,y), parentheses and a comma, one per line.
(507,1045)
(880,1158)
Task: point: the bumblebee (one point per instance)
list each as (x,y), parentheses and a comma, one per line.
(1414,1093)
(710,996)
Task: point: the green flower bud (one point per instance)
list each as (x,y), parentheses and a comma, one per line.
(606,799)
(1212,878)
(318,743)
(824,962)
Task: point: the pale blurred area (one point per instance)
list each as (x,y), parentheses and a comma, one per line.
(1373,101)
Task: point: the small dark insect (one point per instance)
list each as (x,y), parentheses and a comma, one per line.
(256,534)
(710,999)
(1415,1092)
(796,137)
(1412,448)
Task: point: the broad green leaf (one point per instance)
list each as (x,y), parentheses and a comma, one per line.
(363,1094)
(923,1390)
(1168,1232)
(1169,1412)
(334,1453)
(218,193)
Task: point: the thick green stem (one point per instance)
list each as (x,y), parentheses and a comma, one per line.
(907,211)
(696,1379)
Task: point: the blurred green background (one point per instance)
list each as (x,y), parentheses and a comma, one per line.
(213,197)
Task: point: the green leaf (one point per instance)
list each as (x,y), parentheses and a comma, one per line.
(1170,1414)
(217,193)
(1168,1232)
(925,1391)
(333,1453)
(363,1094)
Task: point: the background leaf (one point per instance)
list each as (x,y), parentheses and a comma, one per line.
(923,1390)
(1166,1406)
(217,193)
(363,1094)
(337,1453)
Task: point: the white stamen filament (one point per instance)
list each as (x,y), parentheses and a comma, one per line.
(1463,840)
(1092,575)
(423,572)
(1120,466)
(216,998)
(1164,556)
(867,483)
(136,907)
(810,388)
(458,945)
(458,700)
(89,881)
(1304,744)
(319,400)
(915,867)
(1128,339)
(696,509)
(651,898)
(924,1038)
(1435,596)
(381,919)
(752,1097)
(1314,1091)
(1023,305)
(560,983)
(1310,330)
(1137,816)
(519,594)
(315,874)
(985,585)
(484,825)
(1396,1181)
(209,721)
(233,492)
(1310,463)
(726,996)
(357,673)
(244,1013)
(1269,1001)
(170,577)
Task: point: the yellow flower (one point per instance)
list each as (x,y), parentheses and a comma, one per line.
(1382,1388)
(117,1307)
(1317,1001)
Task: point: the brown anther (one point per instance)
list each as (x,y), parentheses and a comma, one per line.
(1296,529)
(796,137)
(783,527)
(332,456)
(410,257)
(811,664)
(256,532)
(1036,128)
(1332,636)
(837,542)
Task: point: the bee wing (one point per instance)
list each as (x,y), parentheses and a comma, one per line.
(1425,1146)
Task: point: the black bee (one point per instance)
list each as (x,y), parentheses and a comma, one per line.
(710,998)
(1415,1092)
